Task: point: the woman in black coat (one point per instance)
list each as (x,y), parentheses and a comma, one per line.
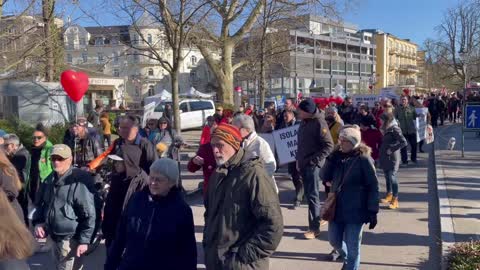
(389,157)
(349,170)
(156,230)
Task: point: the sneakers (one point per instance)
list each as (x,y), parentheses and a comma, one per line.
(335,256)
(388,198)
(394,204)
(311,234)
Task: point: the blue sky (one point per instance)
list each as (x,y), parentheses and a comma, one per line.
(413,19)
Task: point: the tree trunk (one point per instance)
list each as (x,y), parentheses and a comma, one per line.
(175,99)
(48,16)
(262,73)
(1,8)
(226,82)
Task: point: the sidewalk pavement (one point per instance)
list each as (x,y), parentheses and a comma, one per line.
(458,182)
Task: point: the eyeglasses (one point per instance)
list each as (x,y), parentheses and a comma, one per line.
(38,137)
(163,123)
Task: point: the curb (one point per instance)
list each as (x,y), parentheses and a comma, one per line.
(447,232)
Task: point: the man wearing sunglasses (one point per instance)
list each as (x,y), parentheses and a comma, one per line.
(41,166)
(66,210)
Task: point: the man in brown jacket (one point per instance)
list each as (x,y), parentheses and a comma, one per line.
(314,145)
(243,220)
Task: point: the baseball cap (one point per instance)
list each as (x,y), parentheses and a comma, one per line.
(61,150)
(81,121)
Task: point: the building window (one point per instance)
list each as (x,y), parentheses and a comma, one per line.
(115,57)
(69,58)
(136,58)
(193,60)
(193,75)
(150,72)
(82,41)
(135,39)
(149,39)
(99,41)
(100,58)
(84,57)
(151,90)
(116,72)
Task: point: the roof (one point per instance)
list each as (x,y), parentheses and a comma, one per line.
(108,30)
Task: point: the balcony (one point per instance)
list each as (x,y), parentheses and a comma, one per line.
(408,69)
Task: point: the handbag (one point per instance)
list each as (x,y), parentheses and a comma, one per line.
(328,209)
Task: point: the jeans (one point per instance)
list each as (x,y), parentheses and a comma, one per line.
(412,140)
(311,180)
(64,255)
(346,238)
(452,116)
(297,181)
(434,119)
(391,182)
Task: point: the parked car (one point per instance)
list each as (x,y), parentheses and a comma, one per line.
(193,112)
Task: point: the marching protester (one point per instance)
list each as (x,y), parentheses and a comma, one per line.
(289,107)
(241,192)
(156,230)
(168,112)
(351,173)
(434,108)
(347,111)
(206,131)
(453,105)
(164,134)
(268,124)
(106,129)
(406,116)
(334,122)
(314,145)
(389,159)
(20,158)
(10,183)
(250,110)
(150,130)
(371,136)
(65,210)
(41,165)
(87,147)
(255,146)
(289,121)
(122,187)
(219,117)
(16,242)
(258,118)
(419,105)
(204,159)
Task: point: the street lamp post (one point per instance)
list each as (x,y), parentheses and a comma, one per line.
(464,57)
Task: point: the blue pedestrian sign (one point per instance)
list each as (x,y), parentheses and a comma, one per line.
(472,116)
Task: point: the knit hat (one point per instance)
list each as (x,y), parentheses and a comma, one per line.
(352,134)
(308,106)
(228,133)
(166,167)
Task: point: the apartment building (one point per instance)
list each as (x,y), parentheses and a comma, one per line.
(323,56)
(116,56)
(396,61)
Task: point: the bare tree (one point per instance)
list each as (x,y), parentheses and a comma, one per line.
(175,20)
(48,15)
(459,38)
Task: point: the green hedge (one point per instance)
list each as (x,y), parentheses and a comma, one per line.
(465,256)
(25,131)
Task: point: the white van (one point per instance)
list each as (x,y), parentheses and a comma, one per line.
(193,112)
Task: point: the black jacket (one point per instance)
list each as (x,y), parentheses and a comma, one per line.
(347,113)
(21,161)
(358,197)
(154,234)
(66,206)
(141,154)
(88,148)
(314,141)
(13,264)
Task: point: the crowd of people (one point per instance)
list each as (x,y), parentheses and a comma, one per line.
(57,191)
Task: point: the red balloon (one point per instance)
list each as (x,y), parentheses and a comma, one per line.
(339,100)
(75,84)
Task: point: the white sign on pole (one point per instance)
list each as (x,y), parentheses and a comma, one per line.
(286,144)
(421,123)
(269,138)
(366,99)
(148,110)
(389,93)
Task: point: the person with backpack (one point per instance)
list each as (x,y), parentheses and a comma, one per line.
(66,210)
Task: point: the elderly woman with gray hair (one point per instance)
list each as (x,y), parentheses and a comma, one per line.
(156,230)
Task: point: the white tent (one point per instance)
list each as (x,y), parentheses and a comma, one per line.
(163,95)
(192,92)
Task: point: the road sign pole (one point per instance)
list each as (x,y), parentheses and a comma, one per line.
(463,129)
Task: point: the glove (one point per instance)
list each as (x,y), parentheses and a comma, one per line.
(373,221)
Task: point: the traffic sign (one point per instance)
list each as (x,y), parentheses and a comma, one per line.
(471,117)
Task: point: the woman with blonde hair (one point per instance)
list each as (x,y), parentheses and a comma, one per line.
(16,242)
(10,183)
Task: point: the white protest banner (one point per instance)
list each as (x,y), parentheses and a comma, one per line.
(269,138)
(147,111)
(286,144)
(389,93)
(421,123)
(366,99)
